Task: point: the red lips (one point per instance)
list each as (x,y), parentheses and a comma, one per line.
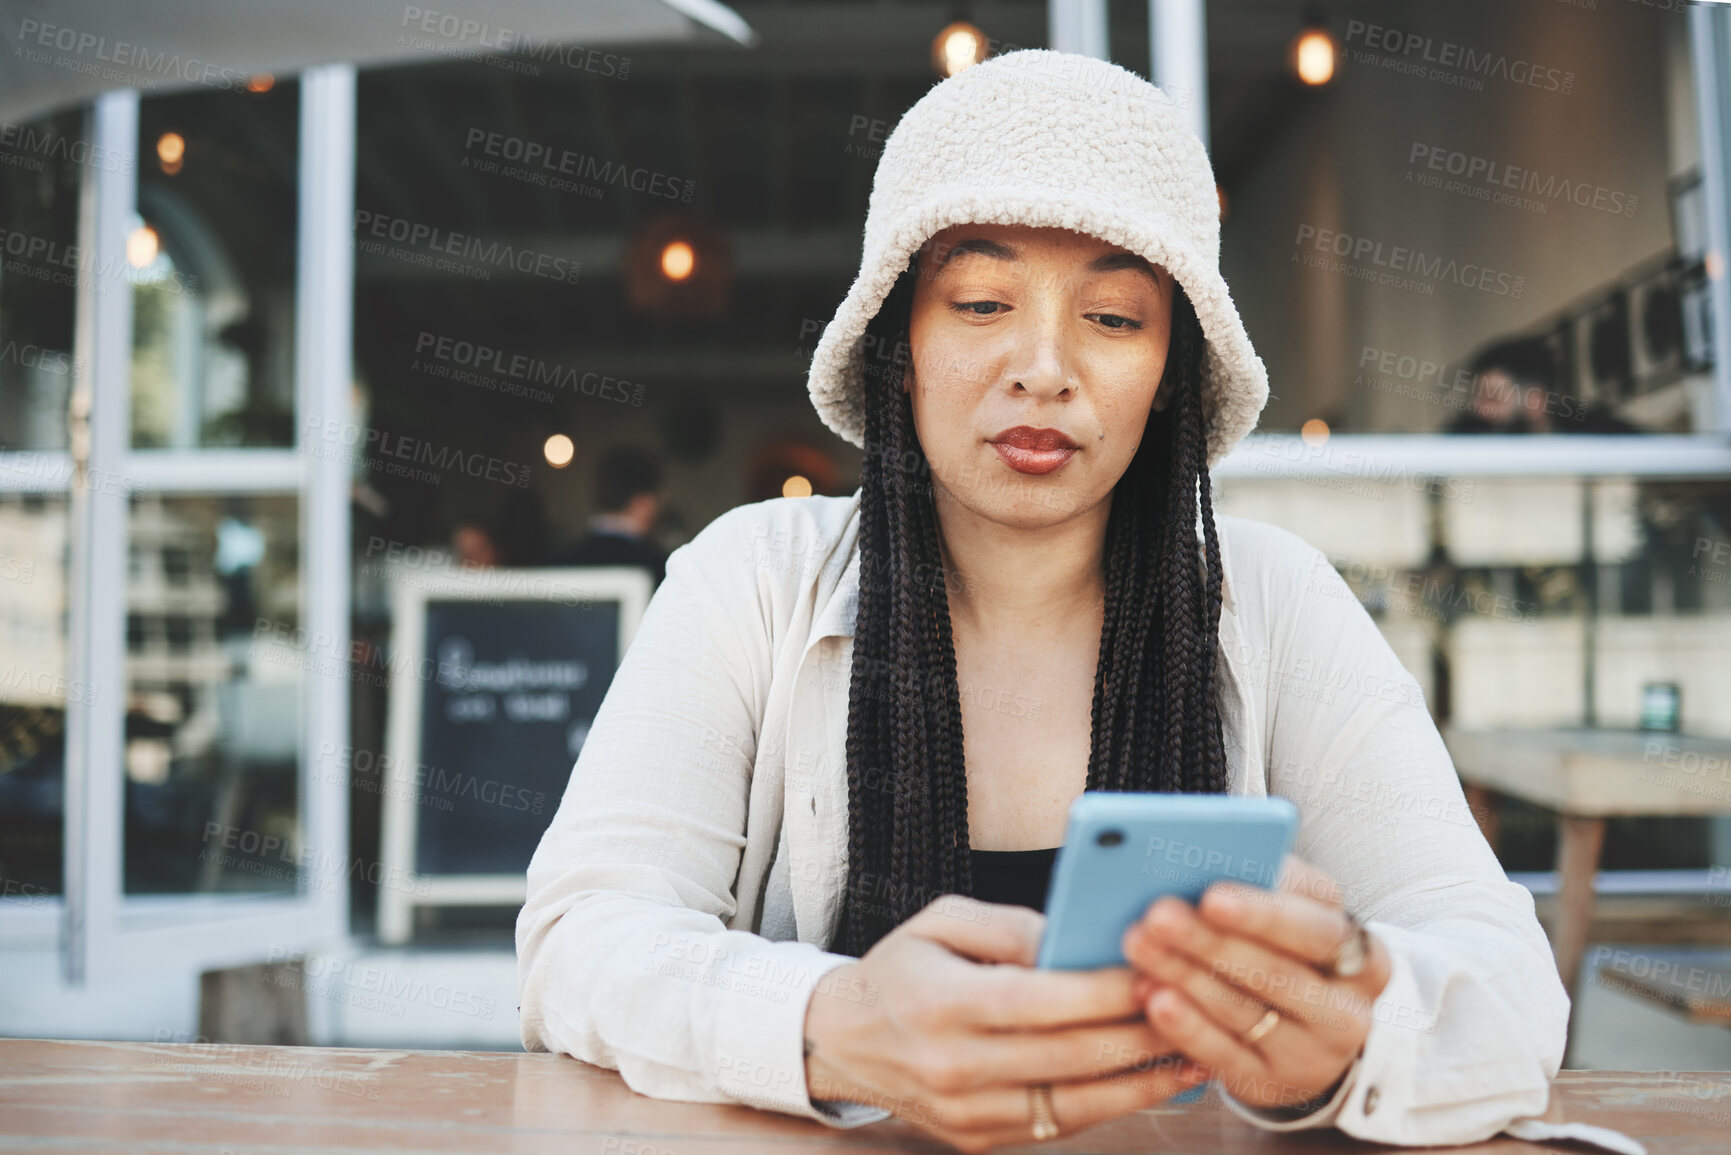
(1028,437)
(1029,450)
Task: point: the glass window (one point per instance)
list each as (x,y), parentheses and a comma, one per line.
(213,688)
(35,688)
(41,162)
(1543,604)
(1488,218)
(213,256)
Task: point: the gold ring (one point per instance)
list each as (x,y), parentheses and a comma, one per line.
(1040,1102)
(1263,1025)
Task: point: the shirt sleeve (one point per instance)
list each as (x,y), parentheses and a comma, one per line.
(623,957)
(1470,1029)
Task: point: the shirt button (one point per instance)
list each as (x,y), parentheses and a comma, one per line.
(1370,1098)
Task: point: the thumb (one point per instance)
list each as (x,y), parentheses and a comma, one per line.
(984,931)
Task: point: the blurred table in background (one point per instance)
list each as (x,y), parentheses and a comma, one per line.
(91,1096)
(1587,776)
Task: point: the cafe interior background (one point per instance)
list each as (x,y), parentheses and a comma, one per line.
(285,304)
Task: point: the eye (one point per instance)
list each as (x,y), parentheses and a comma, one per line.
(970,308)
(1127,322)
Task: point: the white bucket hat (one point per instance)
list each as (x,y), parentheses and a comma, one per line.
(1044,138)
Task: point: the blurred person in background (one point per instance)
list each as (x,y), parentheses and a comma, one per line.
(1515,391)
(473,545)
(629,493)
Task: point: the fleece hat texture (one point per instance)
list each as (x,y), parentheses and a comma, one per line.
(1043,138)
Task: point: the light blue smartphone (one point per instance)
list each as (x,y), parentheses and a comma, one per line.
(1123,850)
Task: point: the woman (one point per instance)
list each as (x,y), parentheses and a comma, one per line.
(799,860)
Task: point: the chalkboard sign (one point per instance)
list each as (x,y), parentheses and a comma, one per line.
(496,677)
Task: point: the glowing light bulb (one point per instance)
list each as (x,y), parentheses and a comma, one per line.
(957,46)
(142,246)
(678,259)
(1314,431)
(559,451)
(796,486)
(1313,57)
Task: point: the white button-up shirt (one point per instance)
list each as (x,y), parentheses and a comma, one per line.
(681,902)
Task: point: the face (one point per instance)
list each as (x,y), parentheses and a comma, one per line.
(1036,355)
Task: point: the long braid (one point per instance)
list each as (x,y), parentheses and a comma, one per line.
(1155,715)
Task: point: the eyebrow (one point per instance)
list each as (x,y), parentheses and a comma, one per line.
(1106,263)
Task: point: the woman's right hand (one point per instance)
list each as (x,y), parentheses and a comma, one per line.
(955,1023)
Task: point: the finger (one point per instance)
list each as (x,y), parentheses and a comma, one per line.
(1238,1008)
(1232,1007)
(1053,1056)
(985,931)
(1293,923)
(1201,1038)
(1026,998)
(1004,1113)
(1276,978)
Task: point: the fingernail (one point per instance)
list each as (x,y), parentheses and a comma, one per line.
(1226,903)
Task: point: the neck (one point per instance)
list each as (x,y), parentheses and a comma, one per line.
(1038,582)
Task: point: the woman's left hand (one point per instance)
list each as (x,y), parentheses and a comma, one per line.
(1211,974)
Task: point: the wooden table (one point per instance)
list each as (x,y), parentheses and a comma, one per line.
(179,1097)
(1587,776)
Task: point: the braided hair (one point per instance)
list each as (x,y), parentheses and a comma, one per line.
(1155,715)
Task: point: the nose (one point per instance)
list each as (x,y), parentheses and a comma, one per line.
(1041,367)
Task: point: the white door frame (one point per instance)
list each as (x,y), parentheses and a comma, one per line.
(103,933)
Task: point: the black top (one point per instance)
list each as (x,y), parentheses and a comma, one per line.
(1019,876)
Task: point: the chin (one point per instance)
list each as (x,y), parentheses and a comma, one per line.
(1013,499)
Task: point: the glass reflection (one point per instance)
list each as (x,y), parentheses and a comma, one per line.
(34,692)
(212,731)
(41,165)
(212,252)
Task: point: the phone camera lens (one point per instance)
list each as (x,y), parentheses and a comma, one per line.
(1110,837)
